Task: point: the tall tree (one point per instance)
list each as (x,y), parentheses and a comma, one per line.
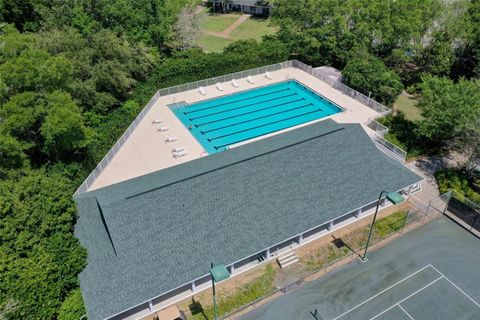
(451,113)
(370,76)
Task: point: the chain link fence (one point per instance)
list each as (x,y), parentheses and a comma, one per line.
(464,211)
(416,214)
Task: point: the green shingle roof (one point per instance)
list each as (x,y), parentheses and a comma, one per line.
(165,228)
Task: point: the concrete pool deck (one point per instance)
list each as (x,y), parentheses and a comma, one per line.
(146,151)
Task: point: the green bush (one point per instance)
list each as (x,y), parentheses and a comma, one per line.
(183,67)
(72,308)
(402,133)
(369,75)
(458,182)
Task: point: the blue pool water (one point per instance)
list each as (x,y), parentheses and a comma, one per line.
(224,121)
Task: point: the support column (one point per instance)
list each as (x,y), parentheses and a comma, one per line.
(150,305)
(409,190)
(300,239)
(232,269)
(267,253)
(330,225)
(194,287)
(358,213)
(383,202)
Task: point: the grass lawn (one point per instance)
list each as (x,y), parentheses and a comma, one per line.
(253,28)
(354,240)
(408,106)
(217,22)
(249,292)
(212,43)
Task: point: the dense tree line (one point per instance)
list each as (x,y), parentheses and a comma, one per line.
(66,95)
(429,47)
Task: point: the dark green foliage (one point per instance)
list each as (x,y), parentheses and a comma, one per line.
(39,255)
(369,75)
(402,132)
(467,63)
(183,67)
(72,308)
(148,21)
(323,32)
(459,181)
(55,85)
(450,110)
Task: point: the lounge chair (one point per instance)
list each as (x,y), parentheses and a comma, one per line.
(178,150)
(219,86)
(235,83)
(202,91)
(250,79)
(179,154)
(268,75)
(157,121)
(163,129)
(171,139)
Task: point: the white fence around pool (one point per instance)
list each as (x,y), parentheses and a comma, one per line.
(225,78)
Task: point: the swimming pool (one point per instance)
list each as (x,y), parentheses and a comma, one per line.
(224,121)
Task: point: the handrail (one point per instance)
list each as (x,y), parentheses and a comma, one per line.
(377,127)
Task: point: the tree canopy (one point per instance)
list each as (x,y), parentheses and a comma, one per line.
(74,74)
(451,111)
(370,76)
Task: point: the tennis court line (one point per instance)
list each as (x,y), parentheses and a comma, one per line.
(458,288)
(383,291)
(408,314)
(407,297)
(442,276)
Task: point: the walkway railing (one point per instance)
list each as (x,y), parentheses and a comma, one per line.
(377,127)
(212,81)
(389,148)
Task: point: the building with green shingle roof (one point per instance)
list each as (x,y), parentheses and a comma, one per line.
(151,239)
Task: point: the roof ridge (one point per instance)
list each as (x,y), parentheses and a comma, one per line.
(236,162)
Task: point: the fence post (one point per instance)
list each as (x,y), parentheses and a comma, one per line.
(405,221)
(426,211)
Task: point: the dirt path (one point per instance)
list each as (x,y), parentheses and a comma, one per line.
(226,33)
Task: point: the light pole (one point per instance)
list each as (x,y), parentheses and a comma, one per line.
(393,197)
(218,273)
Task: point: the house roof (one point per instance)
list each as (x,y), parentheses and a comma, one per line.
(151,234)
(244,2)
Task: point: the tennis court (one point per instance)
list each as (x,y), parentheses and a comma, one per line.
(431,273)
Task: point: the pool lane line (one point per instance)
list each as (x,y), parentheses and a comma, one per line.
(244,106)
(257,136)
(250,112)
(262,117)
(264,125)
(235,101)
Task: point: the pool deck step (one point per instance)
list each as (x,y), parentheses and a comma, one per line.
(287,258)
